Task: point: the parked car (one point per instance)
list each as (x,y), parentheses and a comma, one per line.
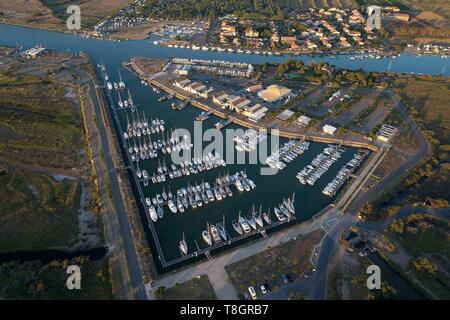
(252,292)
(263,289)
(285,279)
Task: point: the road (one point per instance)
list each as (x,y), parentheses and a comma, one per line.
(422,152)
(134,270)
(330,240)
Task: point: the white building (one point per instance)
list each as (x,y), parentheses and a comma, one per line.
(303,121)
(329,129)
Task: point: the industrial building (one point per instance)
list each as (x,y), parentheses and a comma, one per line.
(274,93)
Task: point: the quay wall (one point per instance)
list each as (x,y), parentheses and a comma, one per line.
(248,124)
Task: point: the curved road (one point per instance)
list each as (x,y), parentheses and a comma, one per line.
(331,238)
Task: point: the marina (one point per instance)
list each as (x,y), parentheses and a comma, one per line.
(187,207)
(320,164)
(287,153)
(166,239)
(344,174)
(186,168)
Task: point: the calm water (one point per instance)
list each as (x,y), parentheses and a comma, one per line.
(270,189)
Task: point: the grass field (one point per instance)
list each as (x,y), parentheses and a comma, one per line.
(194,289)
(305,4)
(91,11)
(37,212)
(428,238)
(268,266)
(430,100)
(35,280)
(29,12)
(50,125)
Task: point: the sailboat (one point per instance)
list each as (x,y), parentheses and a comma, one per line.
(121,83)
(266,217)
(183,246)
(215,234)
(244,224)
(236,226)
(160,212)
(120,102)
(138,172)
(257,218)
(153,214)
(207,235)
(280,216)
(221,229)
(251,221)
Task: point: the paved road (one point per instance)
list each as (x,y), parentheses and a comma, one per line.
(215,268)
(421,153)
(125,231)
(359,201)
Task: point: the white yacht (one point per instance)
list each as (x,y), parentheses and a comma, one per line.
(206,234)
(183,246)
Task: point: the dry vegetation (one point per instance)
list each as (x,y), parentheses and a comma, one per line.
(29,12)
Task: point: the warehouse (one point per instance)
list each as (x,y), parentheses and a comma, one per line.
(274,93)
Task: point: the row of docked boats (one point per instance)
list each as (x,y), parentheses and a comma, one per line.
(142,126)
(245,224)
(220,49)
(320,164)
(186,168)
(127,103)
(250,139)
(287,153)
(112,85)
(343,174)
(145,148)
(196,195)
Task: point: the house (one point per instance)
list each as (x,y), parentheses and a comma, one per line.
(251,33)
(401,16)
(311,45)
(328,129)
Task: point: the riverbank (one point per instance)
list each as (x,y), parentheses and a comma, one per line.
(163,81)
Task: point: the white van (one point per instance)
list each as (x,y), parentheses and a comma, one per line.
(252,292)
